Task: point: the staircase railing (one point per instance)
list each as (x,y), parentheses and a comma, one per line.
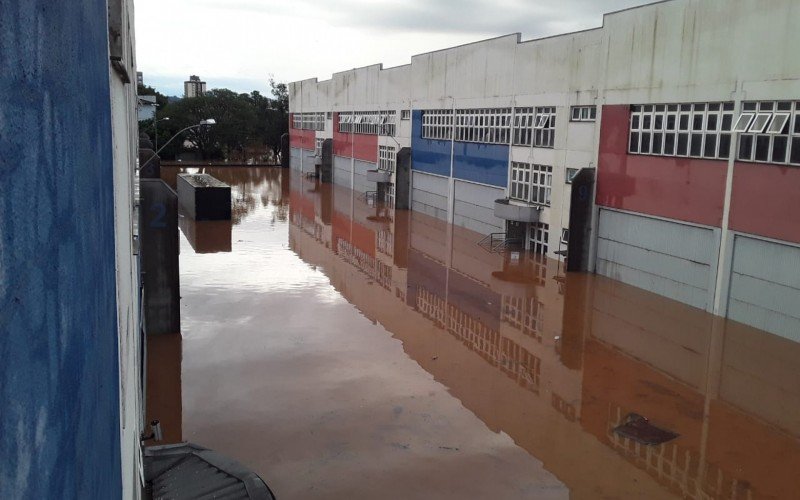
(497,242)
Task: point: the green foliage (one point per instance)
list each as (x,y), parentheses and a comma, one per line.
(248,125)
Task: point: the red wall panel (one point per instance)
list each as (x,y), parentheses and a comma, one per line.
(765,200)
(358,146)
(687,189)
(299,138)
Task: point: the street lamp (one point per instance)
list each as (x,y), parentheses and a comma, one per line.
(155,124)
(203,123)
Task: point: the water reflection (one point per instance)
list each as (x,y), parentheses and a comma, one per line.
(580,352)
(507,381)
(164,395)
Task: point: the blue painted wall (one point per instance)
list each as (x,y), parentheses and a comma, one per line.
(476,162)
(428,155)
(59,397)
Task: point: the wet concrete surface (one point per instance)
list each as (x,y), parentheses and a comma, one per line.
(344,354)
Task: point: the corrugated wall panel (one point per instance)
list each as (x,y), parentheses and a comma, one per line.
(360,183)
(295,156)
(474,207)
(668,258)
(341,171)
(429,195)
(765,286)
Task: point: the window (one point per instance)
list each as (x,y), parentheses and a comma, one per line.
(318,146)
(769,132)
(544,127)
(386,158)
(487,125)
(368,122)
(531,183)
(538,237)
(405,114)
(437,124)
(583,113)
(523,126)
(390,195)
(308,121)
(564,236)
(571,173)
(700,130)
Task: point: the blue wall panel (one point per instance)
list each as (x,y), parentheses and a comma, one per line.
(484,163)
(59,396)
(428,155)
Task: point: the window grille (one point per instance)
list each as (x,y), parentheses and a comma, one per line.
(769,132)
(486,125)
(405,114)
(583,113)
(437,124)
(387,158)
(367,122)
(700,130)
(544,127)
(538,237)
(318,146)
(308,121)
(523,126)
(531,183)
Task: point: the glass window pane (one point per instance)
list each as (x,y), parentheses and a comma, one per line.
(762,148)
(634,148)
(657,142)
(697,144)
(710,148)
(724,145)
(760,123)
(745,147)
(779,144)
(711,122)
(743,122)
(645,145)
(795,154)
(669,144)
(683,144)
(778,123)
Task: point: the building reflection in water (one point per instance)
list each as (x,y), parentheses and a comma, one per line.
(558,360)
(164,395)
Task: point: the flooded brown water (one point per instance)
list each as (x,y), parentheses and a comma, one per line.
(345,351)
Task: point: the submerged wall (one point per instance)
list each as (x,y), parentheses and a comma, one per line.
(59,380)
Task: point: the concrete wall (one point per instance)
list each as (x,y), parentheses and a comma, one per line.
(60,427)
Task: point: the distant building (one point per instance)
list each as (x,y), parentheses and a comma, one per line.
(694,141)
(139,78)
(147,107)
(194,87)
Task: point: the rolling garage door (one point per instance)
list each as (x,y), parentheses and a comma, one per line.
(668,258)
(765,286)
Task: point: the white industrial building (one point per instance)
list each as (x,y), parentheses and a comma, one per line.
(687,111)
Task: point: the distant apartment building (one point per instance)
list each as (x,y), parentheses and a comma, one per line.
(686,112)
(194,87)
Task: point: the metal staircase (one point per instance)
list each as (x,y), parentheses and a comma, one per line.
(498,242)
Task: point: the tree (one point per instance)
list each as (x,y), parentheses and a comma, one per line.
(277,117)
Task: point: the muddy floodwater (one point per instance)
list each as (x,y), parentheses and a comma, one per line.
(346,351)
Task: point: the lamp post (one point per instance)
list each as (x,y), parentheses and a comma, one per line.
(203,123)
(155,124)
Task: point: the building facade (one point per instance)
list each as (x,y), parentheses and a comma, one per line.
(70,386)
(686,111)
(194,87)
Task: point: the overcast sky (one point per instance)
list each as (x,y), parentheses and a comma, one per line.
(238,44)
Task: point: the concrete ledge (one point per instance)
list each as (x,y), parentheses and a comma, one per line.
(203,197)
(516,211)
(379,176)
